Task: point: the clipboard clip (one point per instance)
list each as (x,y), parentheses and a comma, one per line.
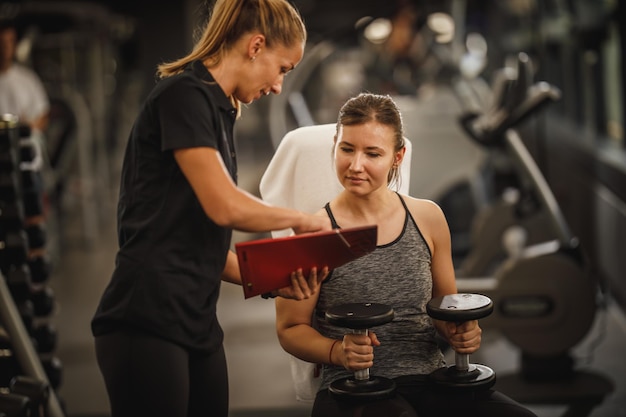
(338,231)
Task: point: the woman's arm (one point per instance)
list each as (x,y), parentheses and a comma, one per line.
(297,337)
(231,271)
(434,227)
(463,337)
(295,333)
(229,206)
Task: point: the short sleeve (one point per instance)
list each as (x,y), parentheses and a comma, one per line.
(187,118)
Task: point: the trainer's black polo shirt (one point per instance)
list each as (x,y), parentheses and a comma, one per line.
(167,273)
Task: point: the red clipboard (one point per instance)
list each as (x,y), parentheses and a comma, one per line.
(266,264)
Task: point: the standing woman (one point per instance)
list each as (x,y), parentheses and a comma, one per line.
(157,338)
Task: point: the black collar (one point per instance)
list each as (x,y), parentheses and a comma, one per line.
(203,73)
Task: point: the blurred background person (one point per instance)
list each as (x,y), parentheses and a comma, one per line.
(21,91)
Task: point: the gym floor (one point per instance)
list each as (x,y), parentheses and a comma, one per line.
(260,380)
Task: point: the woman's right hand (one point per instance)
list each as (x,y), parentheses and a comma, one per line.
(302,288)
(356,351)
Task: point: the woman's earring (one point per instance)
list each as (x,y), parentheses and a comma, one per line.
(252,58)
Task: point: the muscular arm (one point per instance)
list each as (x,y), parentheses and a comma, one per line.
(229,206)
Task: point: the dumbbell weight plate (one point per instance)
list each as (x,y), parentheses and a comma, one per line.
(459,307)
(375,388)
(359,315)
(32,388)
(14,405)
(476,378)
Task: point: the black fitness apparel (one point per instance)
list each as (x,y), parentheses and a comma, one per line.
(424,401)
(149,376)
(158,340)
(167,274)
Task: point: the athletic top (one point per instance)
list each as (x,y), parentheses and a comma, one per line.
(171,255)
(397,274)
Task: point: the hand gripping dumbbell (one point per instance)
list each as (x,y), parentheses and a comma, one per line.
(460,308)
(359,317)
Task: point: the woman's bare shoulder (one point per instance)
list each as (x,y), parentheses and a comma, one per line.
(423,205)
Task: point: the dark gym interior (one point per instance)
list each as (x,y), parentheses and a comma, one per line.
(558,184)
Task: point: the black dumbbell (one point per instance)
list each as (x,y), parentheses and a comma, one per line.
(28,152)
(7,161)
(36,390)
(9,186)
(33,202)
(460,308)
(32,192)
(19,282)
(9,367)
(40,268)
(14,405)
(11,215)
(26,310)
(359,317)
(37,235)
(46,336)
(53,367)
(43,300)
(13,248)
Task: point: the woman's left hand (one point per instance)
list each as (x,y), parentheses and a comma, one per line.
(301,288)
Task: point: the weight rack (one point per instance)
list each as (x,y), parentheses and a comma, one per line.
(29,373)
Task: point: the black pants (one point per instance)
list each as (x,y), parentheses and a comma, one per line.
(415,397)
(148,376)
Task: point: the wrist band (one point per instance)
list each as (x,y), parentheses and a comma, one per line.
(330,352)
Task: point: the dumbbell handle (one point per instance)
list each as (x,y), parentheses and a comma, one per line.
(361,374)
(461,361)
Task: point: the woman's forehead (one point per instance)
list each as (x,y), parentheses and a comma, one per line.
(371,130)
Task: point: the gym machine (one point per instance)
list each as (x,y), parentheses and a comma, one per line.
(545,299)
(509,213)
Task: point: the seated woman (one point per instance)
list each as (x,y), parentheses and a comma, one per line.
(411,264)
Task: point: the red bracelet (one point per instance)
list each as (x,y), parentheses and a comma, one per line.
(330,352)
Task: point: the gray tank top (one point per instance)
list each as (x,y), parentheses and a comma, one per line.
(397,274)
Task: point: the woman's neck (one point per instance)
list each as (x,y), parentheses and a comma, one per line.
(370,209)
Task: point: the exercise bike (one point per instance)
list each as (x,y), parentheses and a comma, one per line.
(545,299)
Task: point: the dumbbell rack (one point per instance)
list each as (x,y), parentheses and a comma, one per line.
(26,302)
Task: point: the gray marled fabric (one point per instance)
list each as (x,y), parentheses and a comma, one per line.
(397,274)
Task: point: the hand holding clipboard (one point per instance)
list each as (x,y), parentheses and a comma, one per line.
(266,264)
